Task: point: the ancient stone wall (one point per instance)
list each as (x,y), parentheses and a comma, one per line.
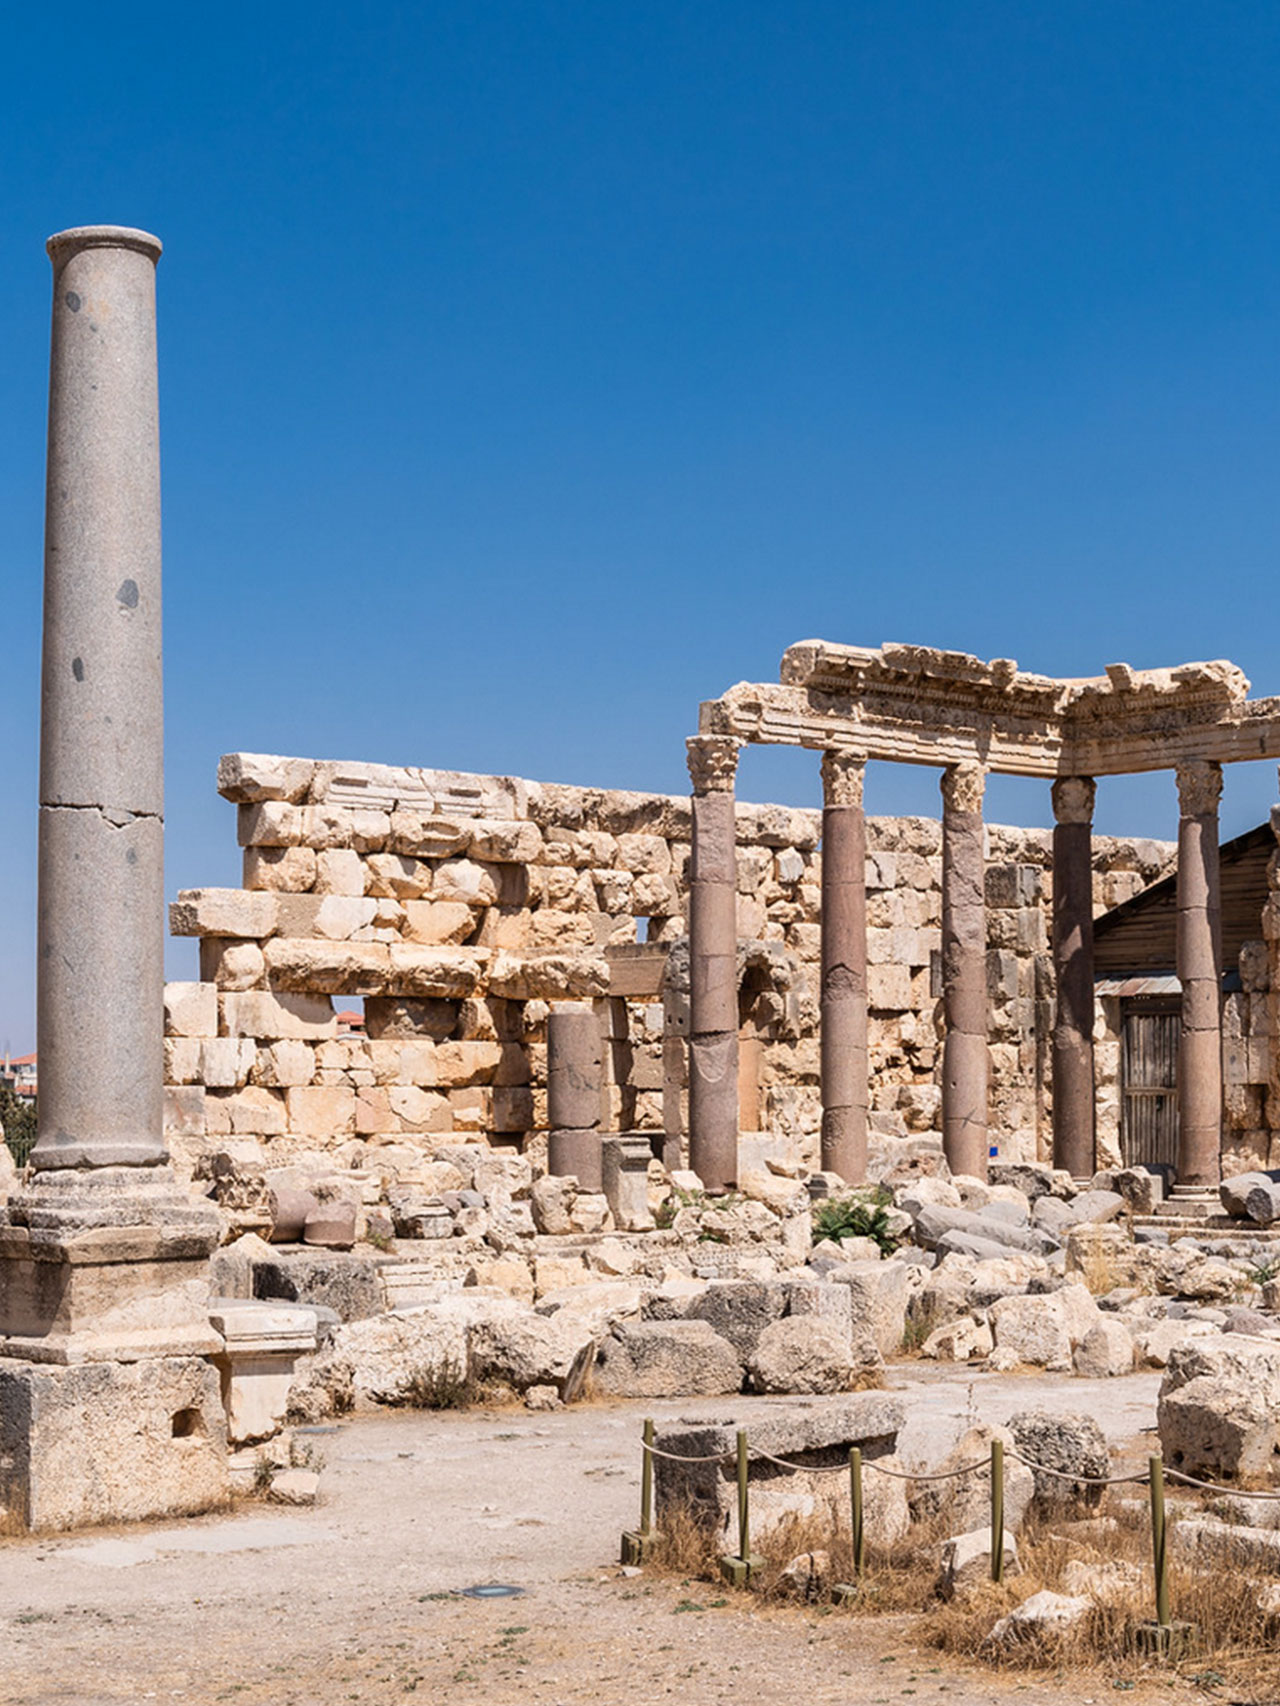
(459,907)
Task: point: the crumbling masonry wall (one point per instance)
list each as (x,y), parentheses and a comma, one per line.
(461,906)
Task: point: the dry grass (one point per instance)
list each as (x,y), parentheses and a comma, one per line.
(1234,1644)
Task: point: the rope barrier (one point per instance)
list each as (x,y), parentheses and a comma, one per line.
(1212,1487)
(981,1467)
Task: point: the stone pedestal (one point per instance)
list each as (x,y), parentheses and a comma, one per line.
(1199,951)
(844,969)
(108,1410)
(262,1343)
(1073,1085)
(626,1180)
(574,1080)
(964,972)
(713,965)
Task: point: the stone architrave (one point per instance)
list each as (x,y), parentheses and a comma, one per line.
(964,971)
(844,969)
(1199,951)
(574,1079)
(1073,1078)
(713,965)
(103,1257)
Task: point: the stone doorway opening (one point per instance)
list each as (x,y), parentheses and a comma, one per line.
(1149,1027)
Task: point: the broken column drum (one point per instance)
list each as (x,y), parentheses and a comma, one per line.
(964,971)
(843,1034)
(1199,951)
(713,964)
(1073,1074)
(574,1077)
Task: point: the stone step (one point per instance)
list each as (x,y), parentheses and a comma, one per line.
(1219,1230)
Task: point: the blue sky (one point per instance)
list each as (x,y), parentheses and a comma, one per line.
(530,372)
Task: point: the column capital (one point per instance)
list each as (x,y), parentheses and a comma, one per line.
(713,763)
(1199,787)
(63,244)
(963,785)
(842,774)
(1073,798)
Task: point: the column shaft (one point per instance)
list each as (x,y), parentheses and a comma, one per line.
(964,972)
(844,970)
(1073,1074)
(1199,951)
(574,1077)
(713,965)
(101,903)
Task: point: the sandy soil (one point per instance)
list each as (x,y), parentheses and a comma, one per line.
(356,1599)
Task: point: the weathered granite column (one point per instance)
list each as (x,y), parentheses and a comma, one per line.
(574,1074)
(1073,1085)
(713,964)
(1199,951)
(844,969)
(108,1408)
(101,913)
(964,971)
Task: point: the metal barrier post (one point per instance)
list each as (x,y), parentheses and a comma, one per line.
(997,1510)
(855,1495)
(636,1542)
(737,1567)
(1159,1537)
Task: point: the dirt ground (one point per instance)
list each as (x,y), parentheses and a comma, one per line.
(357,1598)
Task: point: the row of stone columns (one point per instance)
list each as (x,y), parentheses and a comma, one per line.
(713,1050)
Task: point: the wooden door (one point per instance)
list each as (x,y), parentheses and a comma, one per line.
(1149,1082)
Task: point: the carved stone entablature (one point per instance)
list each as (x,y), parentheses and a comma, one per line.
(963,786)
(713,763)
(842,778)
(1073,798)
(1199,788)
(917,705)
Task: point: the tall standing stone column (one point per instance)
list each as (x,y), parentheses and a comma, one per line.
(1073,1079)
(109,1409)
(713,964)
(100,990)
(1199,951)
(574,1078)
(964,971)
(844,969)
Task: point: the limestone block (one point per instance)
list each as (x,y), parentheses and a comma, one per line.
(339,870)
(248,776)
(321,1111)
(466,881)
(960,1340)
(255,1112)
(288,870)
(644,855)
(667,1359)
(436,922)
(182,1060)
(550,931)
(417,1109)
(613,890)
(564,889)
(806,1353)
(396,875)
(222,912)
(271,823)
(190,1010)
(1106,1349)
(331,1225)
(394,1018)
(1043,1614)
(879,1293)
(427,836)
(653,896)
(285,1065)
(966,1561)
(342,918)
(513,1108)
(441,972)
(458,1063)
(110,1442)
(548,977)
(346,968)
(506,843)
(1071,1443)
(226,1062)
(231,964)
(524,1350)
(184,1112)
(888,987)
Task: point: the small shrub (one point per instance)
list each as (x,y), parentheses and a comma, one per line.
(861,1216)
(665,1216)
(441,1386)
(18,1117)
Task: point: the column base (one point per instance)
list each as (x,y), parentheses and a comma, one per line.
(107,1266)
(109,1442)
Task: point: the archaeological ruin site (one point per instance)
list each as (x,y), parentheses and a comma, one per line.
(538,1092)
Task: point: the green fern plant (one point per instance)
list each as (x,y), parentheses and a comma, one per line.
(861,1216)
